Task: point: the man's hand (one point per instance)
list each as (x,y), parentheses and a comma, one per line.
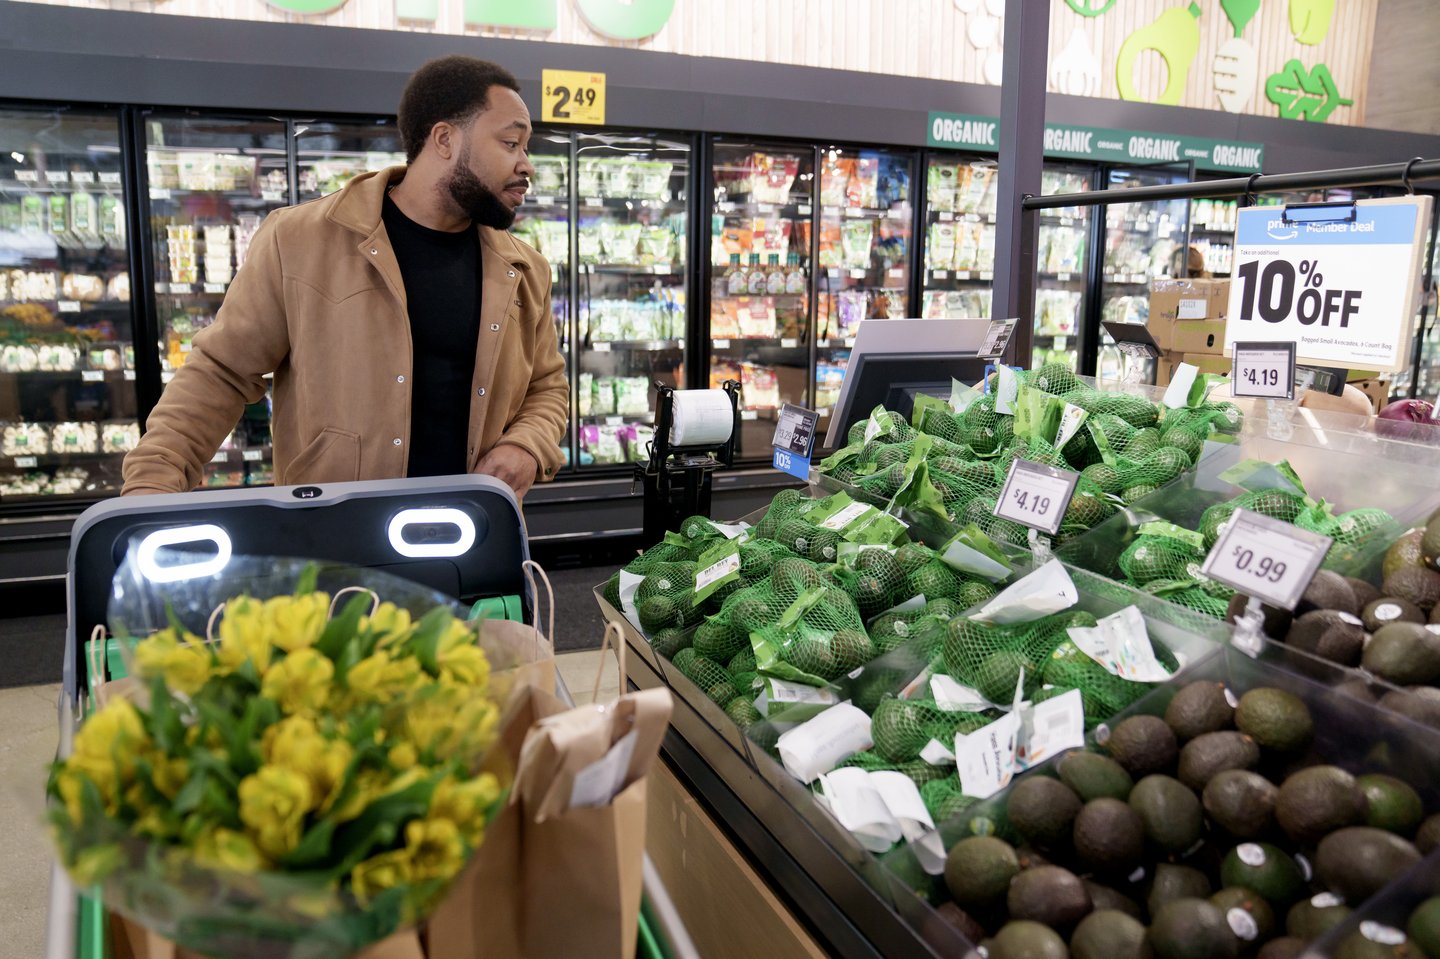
(511,465)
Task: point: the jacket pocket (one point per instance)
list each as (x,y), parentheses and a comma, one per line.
(332,457)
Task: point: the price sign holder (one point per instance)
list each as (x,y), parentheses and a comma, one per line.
(1136,343)
(1036,495)
(997,338)
(1264,370)
(794,440)
(572,96)
(1269,561)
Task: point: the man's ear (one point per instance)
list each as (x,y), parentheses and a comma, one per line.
(445,138)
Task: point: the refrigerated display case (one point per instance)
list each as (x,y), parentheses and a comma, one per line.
(630,235)
(760,281)
(959,237)
(1140,242)
(68,410)
(866,212)
(211,181)
(329,154)
(1212,232)
(1061,255)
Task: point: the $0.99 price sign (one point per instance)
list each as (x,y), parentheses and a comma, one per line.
(1036,495)
(1265,370)
(1266,558)
(572,96)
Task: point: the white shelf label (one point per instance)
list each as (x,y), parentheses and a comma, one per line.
(946,217)
(57,176)
(1067,220)
(272,196)
(765,208)
(601,347)
(1265,370)
(82,178)
(159,193)
(1063,277)
(803,209)
(594,201)
(725,206)
(543,200)
(749,415)
(854,212)
(220,457)
(1036,495)
(25,462)
(941,274)
(849,341)
(614,421)
(252,456)
(129,376)
(722,344)
(166,376)
(789,344)
(897,274)
(987,274)
(27,176)
(68,306)
(857,274)
(110,178)
(182,288)
(214,287)
(186,347)
(964,275)
(92,376)
(1266,558)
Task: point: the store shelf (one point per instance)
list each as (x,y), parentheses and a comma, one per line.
(898,274)
(836,343)
(655,269)
(1055,219)
(612,202)
(254,454)
(41,460)
(960,276)
(61,182)
(947,216)
(788,211)
(1076,278)
(84,375)
(865,213)
(784,343)
(618,346)
(1212,230)
(777,297)
(619,419)
(1128,279)
(176,193)
(63,306)
(192,289)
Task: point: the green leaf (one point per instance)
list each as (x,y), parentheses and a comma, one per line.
(379,824)
(166,727)
(425,641)
(1302,94)
(305,585)
(1240,12)
(313,848)
(339,630)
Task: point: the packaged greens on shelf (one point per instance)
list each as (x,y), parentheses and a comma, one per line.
(1230,810)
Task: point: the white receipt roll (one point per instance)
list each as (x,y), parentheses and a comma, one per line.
(701,418)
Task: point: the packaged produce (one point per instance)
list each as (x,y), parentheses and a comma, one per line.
(119,437)
(760,387)
(589,177)
(942,186)
(58,357)
(723,371)
(863,188)
(773,177)
(831,246)
(835,174)
(652,179)
(857,238)
(550,175)
(585,394)
(632,396)
(940,250)
(24,439)
(756,318)
(85,287)
(18,359)
(602,396)
(74,438)
(603,444)
(725,319)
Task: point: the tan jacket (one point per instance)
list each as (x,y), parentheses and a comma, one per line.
(320,303)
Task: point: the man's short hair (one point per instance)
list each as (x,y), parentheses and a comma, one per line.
(450,90)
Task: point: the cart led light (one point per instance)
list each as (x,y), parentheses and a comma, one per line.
(431,515)
(202,533)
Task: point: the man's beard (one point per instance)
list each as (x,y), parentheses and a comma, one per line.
(476,200)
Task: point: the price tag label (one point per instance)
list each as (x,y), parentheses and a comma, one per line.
(749,415)
(794,439)
(129,376)
(803,209)
(159,193)
(92,376)
(1338,281)
(987,274)
(1266,558)
(572,96)
(1036,495)
(996,339)
(593,201)
(964,275)
(1265,370)
(68,306)
(220,457)
(214,287)
(789,344)
(26,462)
(601,347)
(252,456)
(857,274)
(896,274)
(941,274)
(1063,277)
(182,288)
(272,196)
(165,377)
(109,177)
(946,217)
(27,176)
(722,344)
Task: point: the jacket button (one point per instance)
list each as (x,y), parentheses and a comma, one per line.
(400,379)
(396,441)
(373,251)
(494,327)
(510,273)
(480,391)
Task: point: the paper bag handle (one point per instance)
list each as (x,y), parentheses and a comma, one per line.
(534,570)
(97,663)
(611,629)
(335,600)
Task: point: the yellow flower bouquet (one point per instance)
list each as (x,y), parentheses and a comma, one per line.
(288,775)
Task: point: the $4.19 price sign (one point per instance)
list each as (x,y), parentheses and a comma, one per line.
(1264,370)
(1266,558)
(794,439)
(1036,495)
(572,96)
(1337,280)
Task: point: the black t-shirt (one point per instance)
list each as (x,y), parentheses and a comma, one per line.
(441,273)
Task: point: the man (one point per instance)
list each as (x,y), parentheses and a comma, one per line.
(408,333)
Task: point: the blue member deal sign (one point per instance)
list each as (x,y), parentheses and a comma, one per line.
(794,439)
(1340,281)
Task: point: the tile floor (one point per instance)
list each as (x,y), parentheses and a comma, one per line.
(28,727)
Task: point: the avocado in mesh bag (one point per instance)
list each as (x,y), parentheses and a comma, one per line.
(664,597)
(901,728)
(662,552)
(710,676)
(1152,558)
(944,800)
(1102,692)
(1135,410)
(720,640)
(1276,503)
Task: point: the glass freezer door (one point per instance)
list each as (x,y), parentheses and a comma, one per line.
(1141,240)
(865,223)
(760,270)
(543,221)
(212,180)
(329,155)
(959,237)
(1062,241)
(631,193)
(67,354)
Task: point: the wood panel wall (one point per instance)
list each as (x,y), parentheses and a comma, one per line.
(956,40)
(1405,76)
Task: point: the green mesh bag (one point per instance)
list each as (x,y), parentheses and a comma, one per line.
(876,582)
(944,800)
(742,662)
(939,423)
(751,608)
(934,580)
(885,454)
(758,556)
(1088,507)
(892,630)
(786,504)
(882,486)
(709,675)
(1135,410)
(670,640)
(979,473)
(720,640)
(1080,451)
(1105,477)
(1153,558)
(1102,692)
(981,512)
(856,434)
(611,591)
(978,425)
(699,528)
(1200,601)
(956,492)
(990,658)
(664,597)
(743,712)
(911,556)
(901,728)
(819,632)
(1054,378)
(1157,467)
(1276,503)
(659,553)
(870,761)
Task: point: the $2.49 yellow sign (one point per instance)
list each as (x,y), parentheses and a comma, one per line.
(572,96)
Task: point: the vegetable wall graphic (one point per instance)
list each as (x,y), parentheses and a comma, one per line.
(1207,44)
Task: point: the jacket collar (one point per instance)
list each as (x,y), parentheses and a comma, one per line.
(359,203)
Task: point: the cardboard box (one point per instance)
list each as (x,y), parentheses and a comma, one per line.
(1185,315)
(1376,389)
(1204,362)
